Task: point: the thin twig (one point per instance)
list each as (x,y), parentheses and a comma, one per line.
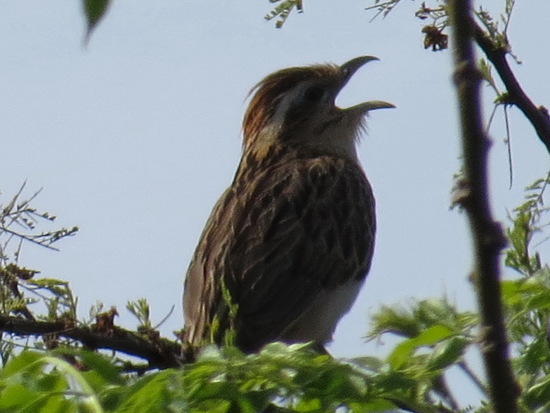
(538,116)
(468,371)
(33,239)
(488,237)
(509,146)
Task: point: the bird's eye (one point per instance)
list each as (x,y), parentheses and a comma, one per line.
(314,93)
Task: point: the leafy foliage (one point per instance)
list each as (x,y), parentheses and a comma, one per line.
(528,299)
(19,289)
(221,380)
(18,222)
(283,10)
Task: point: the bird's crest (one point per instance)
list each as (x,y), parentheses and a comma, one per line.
(267,94)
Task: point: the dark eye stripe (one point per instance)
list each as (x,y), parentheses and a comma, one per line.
(314,93)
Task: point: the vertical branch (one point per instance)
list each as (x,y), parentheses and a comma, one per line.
(488,237)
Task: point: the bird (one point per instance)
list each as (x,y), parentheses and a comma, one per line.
(288,245)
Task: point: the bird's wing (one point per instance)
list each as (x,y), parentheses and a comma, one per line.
(300,230)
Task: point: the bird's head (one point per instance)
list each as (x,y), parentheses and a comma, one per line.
(296,107)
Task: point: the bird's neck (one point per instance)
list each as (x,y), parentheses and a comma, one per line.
(258,158)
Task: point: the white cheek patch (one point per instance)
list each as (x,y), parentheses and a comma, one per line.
(289,100)
(334,131)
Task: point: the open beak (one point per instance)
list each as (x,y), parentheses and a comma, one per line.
(348,69)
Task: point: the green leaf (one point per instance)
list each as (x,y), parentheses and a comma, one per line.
(311,405)
(151,394)
(538,394)
(94,10)
(100,369)
(15,395)
(447,353)
(283,10)
(403,351)
(372,406)
(369,362)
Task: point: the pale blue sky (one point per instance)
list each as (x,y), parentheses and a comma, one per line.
(135,136)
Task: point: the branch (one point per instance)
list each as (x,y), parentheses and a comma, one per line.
(538,116)
(159,352)
(472,376)
(488,237)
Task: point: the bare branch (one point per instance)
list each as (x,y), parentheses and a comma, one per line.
(159,352)
(538,116)
(488,237)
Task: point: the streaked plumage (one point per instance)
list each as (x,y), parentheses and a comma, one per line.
(291,240)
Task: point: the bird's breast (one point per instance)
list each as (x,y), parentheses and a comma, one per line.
(319,321)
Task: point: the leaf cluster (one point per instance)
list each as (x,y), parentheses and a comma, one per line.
(283,9)
(527,298)
(18,223)
(20,290)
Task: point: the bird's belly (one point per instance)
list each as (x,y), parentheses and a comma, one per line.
(319,321)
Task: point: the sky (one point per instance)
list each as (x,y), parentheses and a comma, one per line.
(134,136)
